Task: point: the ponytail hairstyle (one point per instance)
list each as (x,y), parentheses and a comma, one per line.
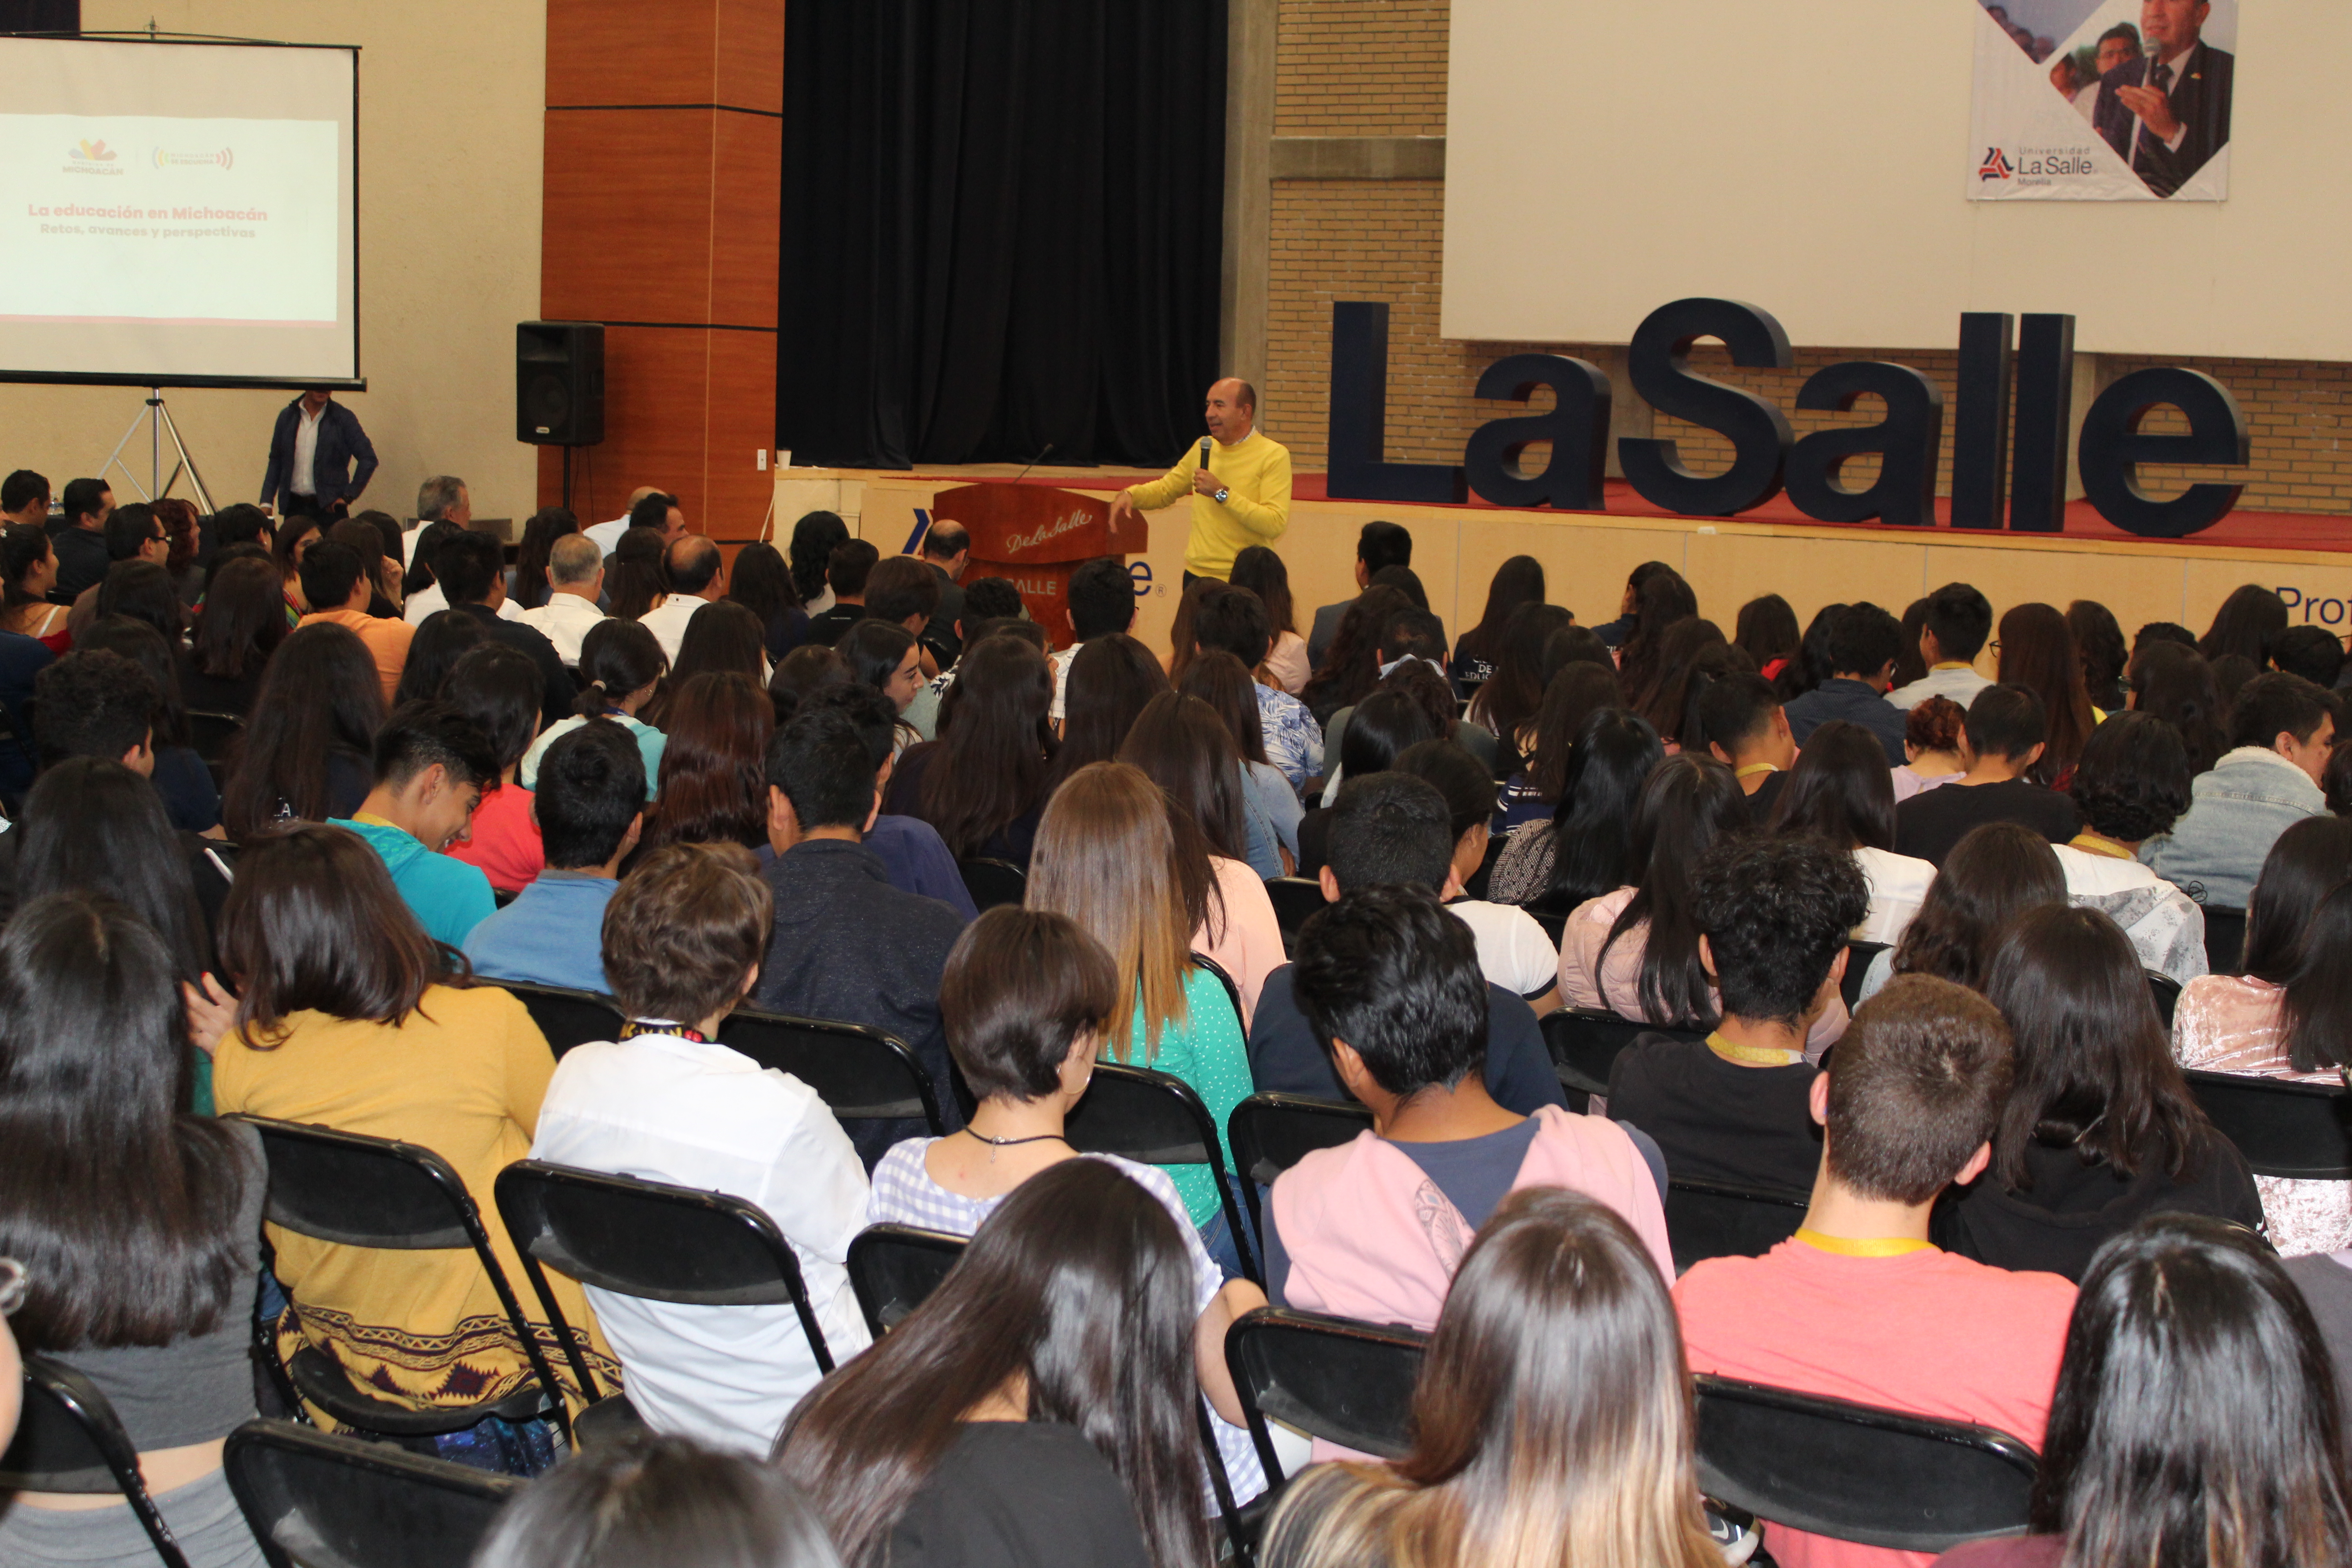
(617,657)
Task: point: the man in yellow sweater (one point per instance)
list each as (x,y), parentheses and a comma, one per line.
(1241,496)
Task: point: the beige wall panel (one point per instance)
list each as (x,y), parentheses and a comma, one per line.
(2318,588)
(1732,565)
(2138,588)
(1584,568)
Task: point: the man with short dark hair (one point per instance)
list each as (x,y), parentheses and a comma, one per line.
(1958,621)
(947,551)
(845,571)
(1863,643)
(2281,731)
(81,537)
(847,944)
(335,583)
(1378,544)
(1859,1305)
(913,855)
(2003,737)
(2167,112)
(1234,620)
(80,499)
(903,589)
(471,569)
(1372,1229)
(588,808)
(96,704)
(1773,914)
(130,533)
(1409,634)
(2311,652)
(432,763)
(697,575)
(606,535)
(312,448)
(25,497)
(1101,599)
(1747,730)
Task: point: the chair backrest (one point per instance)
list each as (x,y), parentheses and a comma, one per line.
(1857,1473)
(1858,957)
(69,1439)
(1584,1042)
(317,1500)
(2225,938)
(1345,1382)
(1271,1132)
(211,734)
(647,1240)
(357,1191)
(894,1268)
(1154,1119)
(1295,900)
(568,1017)
(1715,1219)
(993,882)
(2165,991)
(2299,1131)
(1233,991)
(860,1073)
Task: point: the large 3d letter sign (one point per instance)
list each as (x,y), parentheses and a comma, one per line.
(1995,482)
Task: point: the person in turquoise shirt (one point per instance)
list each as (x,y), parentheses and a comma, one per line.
(432,763)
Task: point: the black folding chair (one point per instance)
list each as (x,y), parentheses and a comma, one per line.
(1858,957)
(1585,1041)
(211,734)
(1295,900)
(2165,991)
(650,1240)
(1716,1219)
(1344,1382)
(17,731)
(2225,938)
(568,1017)
(1555,926)
(1233,991)
(860,1073)
(355,1190)
(1272,1133)
(2299,1131)
(69,1439)
(1155,1119)
(1854,1472)
(317,1500)
(894,1268)
(993,882)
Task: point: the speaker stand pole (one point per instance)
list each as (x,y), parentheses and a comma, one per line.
(567,478)
(157,417)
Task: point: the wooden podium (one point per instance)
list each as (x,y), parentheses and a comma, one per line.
(1036,536)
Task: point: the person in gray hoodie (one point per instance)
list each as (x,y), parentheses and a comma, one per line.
(2280,732)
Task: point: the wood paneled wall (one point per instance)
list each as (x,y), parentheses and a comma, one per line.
(664,158)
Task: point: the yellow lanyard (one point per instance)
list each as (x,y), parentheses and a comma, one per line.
(1754,1056)
(1752,769)
(1871,1246)
(2093,843)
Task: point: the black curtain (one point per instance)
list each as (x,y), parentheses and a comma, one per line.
(40,15)
(1002,228)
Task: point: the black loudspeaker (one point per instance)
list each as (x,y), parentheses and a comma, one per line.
(559,382)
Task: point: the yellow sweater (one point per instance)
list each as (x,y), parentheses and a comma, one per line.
(1257,471)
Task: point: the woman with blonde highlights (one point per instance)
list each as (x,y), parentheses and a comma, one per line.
(1551,1423)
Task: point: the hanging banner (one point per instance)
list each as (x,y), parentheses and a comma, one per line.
(2102,100)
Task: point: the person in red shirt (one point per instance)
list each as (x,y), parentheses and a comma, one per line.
(1859,1305)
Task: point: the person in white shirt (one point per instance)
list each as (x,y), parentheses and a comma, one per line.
(1959,620)
(576,580)
(697,575)
(442,497)
(2130,784)
(684,937)
(607,535)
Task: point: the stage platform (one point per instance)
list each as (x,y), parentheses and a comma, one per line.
(2308,557)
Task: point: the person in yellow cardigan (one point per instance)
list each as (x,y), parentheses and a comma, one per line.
(1241,496)
(346,1020)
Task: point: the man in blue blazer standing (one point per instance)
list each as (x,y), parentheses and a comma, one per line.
(310,456)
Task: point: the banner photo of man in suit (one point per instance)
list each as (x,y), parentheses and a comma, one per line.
(2102,100)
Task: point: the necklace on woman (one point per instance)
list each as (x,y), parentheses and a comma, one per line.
(1008,1142)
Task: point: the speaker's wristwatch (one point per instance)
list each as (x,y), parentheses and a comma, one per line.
(1222,496)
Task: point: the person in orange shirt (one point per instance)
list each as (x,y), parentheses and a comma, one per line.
(334,576)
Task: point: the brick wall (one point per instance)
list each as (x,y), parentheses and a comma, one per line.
(1376,67)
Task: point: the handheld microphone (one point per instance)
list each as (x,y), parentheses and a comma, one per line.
(1205,451)
(1043,453)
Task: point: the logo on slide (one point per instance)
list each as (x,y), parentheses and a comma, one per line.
(1996,166)
(88,152)
(225,158)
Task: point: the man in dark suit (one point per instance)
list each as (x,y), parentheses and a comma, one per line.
(1379,544)
(310,456)
(2171,123)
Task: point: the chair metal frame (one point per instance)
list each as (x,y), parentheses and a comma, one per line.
(993,865)
(423,1473)
(1124,1080)
(535,997)
(63,1400)
(1795,1203)
(864,1270)
(1574,1075)
(1248,1361)
(1858,958)
(766,1038)
(2216,1091)
(1256,1167)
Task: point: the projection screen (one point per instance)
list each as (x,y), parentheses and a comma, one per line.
(179,214)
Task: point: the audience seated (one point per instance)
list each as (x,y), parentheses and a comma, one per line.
(912,856)
(1028,999)
(498,689)
(2315,653)
(1514,952)
(1859,1305)
(1374,1229)
(2099,1129)
(588,812)
(336,583)
(306,753)
(1958,621)
(136,1224)
(668,1103)
(983,783)
(621,667)
(1261,571)
(846,567)
(347,1020)
(432,763)
(1179,743)
(1934,740)
(2003,738)
(2170,681)
(1415,639)
(90,550)
(1348,667)
(1744,728)
(1518,581)
(1101,601)
(1394,829)
(2130,785)
(1577,691)
(715,731)
(1381,728)
(28,573)
(1038,1408)
(240,625)
(1841,793)
(727,639)
(441,640)
(576,580)
(2099,644)
(847,945)
(104,729)
(759,580)
(471,569)
(1996,873)
(1551,1423)
(2035,651)
(1235,621)
(1582,853)
(1506,705)
(643,1499)
(1864,641)
(694,573)
(1219,679)
(2280,732)
(1105,684)
(1378,544)
(2287,1013)
(633,581)
(2192,1421)
(1769,917)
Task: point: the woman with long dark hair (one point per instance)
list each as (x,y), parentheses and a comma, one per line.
(813,539)
(142,591)
(1839,792)
(548,524)
(1261,571)
(347,1017)
(1812,665)
(1380,729)
(1420,682)
(1506,705)
(307,752)
(239,624)
(621,669)
(983,783)
(1767,632)
(1578,691)
(1551,1423)
(2099,1128)
(1111,678)
(2176,684)
(295,536)
(2244,626)
(1995,873)
(647,1499)
(442,638)
(637,581)
(1695,657)
(1664,602)
(762,584)
(713,787)
(1038,1408)
(885,656)
(1352,666)
(722,637)
(500,689)
(1582,852)
(2197,1418)
(28,570)
(1219,679)
(2099,645)
(2036,651)
(138,1223)
(1518,581)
